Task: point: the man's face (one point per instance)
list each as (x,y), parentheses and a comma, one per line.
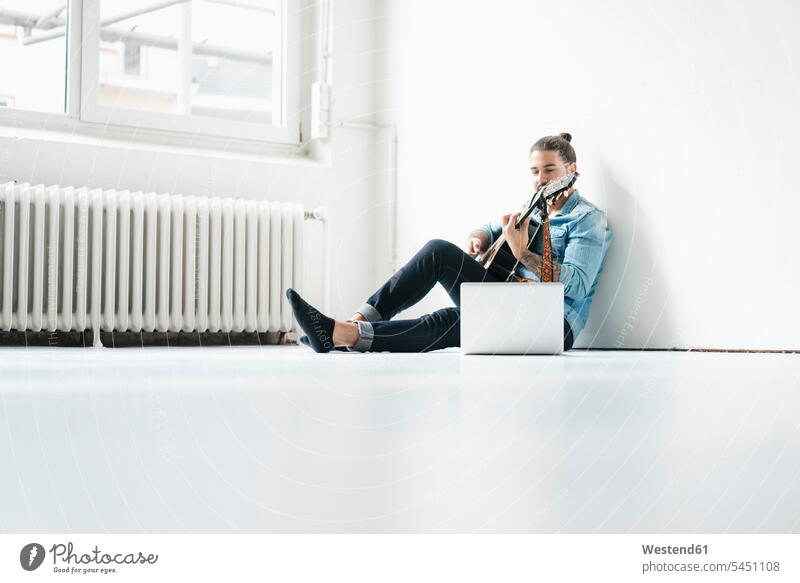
(545,166)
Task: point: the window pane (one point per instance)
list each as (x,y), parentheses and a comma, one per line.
(227,71)
(33,49)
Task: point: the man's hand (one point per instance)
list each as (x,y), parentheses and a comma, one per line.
(477,242)
(517,239)
(474,246)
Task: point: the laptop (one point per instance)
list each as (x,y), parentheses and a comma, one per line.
(512,318)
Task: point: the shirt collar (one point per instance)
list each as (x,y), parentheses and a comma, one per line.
(571,202)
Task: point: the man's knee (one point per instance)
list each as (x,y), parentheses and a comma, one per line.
(440,246)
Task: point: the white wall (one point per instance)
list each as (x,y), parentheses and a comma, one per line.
(680,112)
(685,119)
(345,184)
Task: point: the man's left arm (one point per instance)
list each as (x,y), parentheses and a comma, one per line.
(583,256)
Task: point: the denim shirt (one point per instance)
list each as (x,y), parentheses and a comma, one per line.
(580,238)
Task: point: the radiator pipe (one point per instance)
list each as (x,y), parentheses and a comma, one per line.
(321,214)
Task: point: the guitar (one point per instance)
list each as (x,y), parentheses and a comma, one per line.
(498,258)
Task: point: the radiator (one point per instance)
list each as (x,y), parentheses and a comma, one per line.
(79,258)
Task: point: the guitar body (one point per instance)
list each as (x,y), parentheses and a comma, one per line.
(500,260)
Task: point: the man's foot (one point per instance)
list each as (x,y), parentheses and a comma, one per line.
(304,340)
(317,326)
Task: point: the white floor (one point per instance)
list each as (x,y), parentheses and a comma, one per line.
(281,439)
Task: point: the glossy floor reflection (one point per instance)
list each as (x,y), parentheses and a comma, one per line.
(269,439)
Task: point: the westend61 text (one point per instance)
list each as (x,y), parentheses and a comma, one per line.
(670,550)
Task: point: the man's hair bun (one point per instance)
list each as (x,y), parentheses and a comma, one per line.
(559,143)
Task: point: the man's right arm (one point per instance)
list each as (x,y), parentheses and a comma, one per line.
(491,231)
(482,238)
(477,243)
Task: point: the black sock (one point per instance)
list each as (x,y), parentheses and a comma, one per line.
(304,340)
(314,323)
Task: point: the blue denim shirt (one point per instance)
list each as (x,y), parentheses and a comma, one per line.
(580,238)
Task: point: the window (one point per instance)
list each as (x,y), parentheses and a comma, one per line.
(208,67)
(22,22)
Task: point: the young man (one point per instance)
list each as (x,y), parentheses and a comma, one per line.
(579,241)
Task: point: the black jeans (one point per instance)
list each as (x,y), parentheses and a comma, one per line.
(438,261)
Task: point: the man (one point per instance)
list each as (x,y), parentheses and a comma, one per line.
(579,240)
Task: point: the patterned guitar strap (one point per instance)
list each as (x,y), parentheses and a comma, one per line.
(546,275)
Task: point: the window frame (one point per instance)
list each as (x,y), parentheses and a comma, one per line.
(83,115)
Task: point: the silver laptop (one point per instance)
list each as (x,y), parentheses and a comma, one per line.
(512,318)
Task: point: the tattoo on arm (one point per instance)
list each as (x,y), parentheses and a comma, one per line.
(533,262)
